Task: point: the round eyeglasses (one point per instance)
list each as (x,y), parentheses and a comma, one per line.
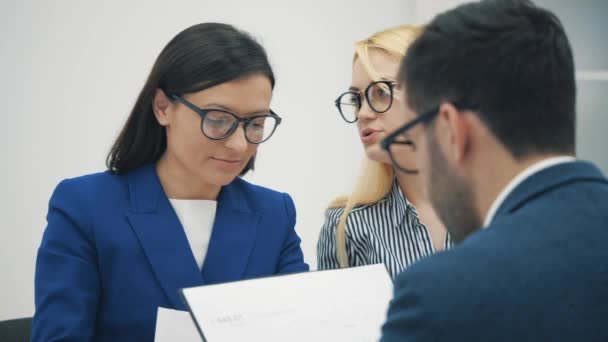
(218,124)
(379,97)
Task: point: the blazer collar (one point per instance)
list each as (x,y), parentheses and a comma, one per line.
(166,245)
(234,235)
(548,179)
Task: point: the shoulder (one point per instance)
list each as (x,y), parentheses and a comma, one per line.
(332,218)
(91,197)
(368,213)
(77,203)
(471,259)
(333,214)
(437,288)
(361,209)
(445,281)
(93,185)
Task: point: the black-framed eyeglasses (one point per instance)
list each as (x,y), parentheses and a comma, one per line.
(397,142)
(218,124)
(379,97)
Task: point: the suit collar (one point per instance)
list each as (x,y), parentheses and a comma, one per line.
(147,194)
(145,190)
(519,178)
(548,179)
(165,243)
(234,234)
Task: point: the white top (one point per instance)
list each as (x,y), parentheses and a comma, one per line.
(196,217)
(529,171)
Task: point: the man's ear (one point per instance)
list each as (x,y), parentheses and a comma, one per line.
(160,105)
(457,130)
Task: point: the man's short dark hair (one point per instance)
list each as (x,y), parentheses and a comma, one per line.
(507,60)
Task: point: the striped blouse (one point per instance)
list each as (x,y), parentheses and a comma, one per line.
(387,231)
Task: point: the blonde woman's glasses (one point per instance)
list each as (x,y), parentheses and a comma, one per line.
(379,97)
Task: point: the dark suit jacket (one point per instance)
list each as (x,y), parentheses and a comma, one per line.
(539,272)
(114,251)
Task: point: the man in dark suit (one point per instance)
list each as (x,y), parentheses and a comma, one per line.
(490,94)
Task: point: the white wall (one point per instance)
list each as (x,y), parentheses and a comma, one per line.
(71,69)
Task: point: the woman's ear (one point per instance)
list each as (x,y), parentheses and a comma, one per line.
(160,105)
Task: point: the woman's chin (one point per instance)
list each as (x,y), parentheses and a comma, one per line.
(376,153)
(225,180)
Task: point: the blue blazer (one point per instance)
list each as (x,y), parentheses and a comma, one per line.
(114,251)
(539,272)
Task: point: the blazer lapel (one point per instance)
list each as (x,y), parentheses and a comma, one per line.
(233,236)
(161,236)
(548,179)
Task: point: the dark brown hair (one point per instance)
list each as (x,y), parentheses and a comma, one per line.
(198,58)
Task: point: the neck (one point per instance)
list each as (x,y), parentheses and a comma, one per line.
(496,176)
(410,186)
(179,183)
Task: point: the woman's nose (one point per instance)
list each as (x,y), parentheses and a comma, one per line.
(366,112)
(237,141)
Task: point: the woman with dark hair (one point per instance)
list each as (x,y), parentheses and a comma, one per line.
(171,211)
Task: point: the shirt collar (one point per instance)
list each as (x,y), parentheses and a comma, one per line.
(523,175)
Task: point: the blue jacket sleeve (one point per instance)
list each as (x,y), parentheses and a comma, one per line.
(66,279)
(292,258)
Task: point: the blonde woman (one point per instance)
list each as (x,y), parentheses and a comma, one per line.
(387,218)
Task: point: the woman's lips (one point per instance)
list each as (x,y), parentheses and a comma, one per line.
(369,135)
(227,162)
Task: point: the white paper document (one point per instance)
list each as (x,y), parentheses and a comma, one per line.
(174,325)
(336,305)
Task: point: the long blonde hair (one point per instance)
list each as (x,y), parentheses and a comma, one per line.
(375,178)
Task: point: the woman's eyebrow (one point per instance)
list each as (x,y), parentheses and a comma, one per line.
(382,78)
(217,106)
(228,109)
